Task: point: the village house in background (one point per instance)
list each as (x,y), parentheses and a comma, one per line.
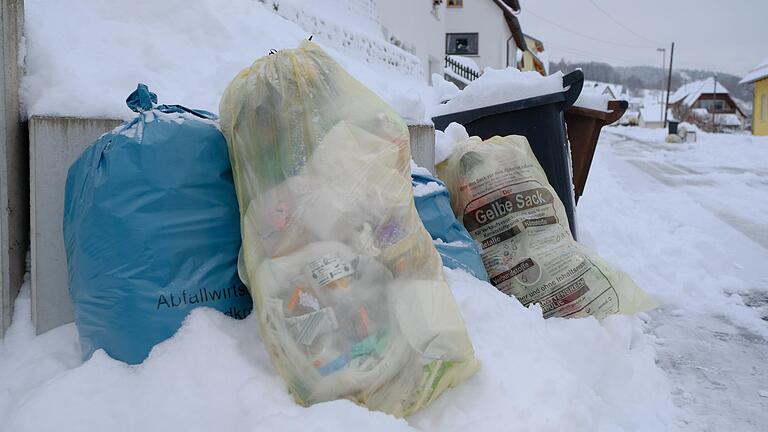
(706,102)
(759,76)
(460,38)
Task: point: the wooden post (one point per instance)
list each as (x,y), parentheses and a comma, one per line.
(14,164)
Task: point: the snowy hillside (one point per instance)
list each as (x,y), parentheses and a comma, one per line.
(88,70)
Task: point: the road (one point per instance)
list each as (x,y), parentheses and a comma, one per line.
(685,222)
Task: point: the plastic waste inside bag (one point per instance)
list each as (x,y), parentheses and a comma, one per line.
(151,229)
(457,248)
(502,196)
(347,286)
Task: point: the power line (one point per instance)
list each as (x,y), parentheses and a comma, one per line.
(586,36)
(621,24)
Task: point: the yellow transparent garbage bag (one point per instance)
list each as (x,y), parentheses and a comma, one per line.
(348,288)
(501,195)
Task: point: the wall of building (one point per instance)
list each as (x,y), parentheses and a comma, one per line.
(55,143)
(485,18)
(419,27)
(14,164)
(760,122)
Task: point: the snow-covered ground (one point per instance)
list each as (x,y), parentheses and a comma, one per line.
(686,221)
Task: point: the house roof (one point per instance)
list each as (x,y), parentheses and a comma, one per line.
(690,93)
(759,72)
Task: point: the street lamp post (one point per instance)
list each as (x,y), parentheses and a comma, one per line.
(661,92)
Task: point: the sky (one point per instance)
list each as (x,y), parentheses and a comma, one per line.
(721,35)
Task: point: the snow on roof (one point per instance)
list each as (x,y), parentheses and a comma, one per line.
(760,71)
(689,93)
(722,119)
(727,119)
(653,113)
(616,89)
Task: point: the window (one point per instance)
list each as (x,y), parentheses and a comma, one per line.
(461,43)
(455,3)
(716,105)
(719,105)
(763,109)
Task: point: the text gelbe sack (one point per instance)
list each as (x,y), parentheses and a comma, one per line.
(151,229)
(456,247)
(502,196)
(348,289)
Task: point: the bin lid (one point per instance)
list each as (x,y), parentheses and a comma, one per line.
(574,82)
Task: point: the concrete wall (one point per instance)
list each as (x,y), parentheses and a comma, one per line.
(423,145)
(14,165)
(55,142)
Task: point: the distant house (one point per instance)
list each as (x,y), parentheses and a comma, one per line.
(485,31)
(759,76)
(652,116)
(701,101)
(613,91)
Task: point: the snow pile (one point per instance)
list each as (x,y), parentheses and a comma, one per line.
(576,375)
(416,169)
(421,190)
(89,69)
(497,86)
(446,141)
(445,90)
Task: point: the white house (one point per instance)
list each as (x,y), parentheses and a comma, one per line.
(486,31)
(652,116)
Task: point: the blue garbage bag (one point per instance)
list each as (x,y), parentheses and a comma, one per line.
(151,229)
(456,247)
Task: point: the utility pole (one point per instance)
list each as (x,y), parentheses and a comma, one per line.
(661,90)
(714,95)
(669,82)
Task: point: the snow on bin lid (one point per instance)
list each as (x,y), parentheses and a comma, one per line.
(591,98)
(497,86)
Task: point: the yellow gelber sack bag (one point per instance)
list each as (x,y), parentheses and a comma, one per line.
(501,194)
(348,288)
